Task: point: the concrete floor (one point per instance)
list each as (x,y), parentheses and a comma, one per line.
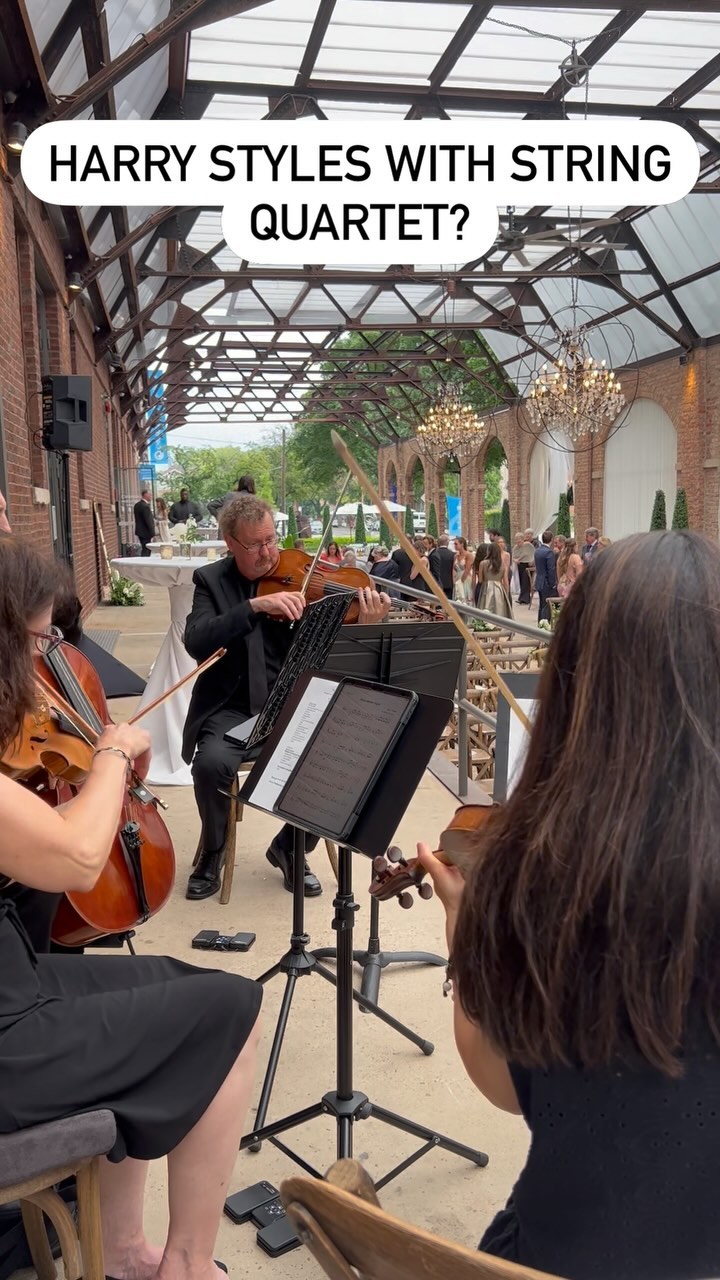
(441,1192)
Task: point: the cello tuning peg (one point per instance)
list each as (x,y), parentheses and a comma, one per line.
(395,855)
(405,900)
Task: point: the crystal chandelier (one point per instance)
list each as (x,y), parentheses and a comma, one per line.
(452,428)
(574,393)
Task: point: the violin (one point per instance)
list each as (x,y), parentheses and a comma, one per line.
(394,876)
(59,737)
(292,573)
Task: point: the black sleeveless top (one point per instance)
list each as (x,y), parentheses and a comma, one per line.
(622,1177)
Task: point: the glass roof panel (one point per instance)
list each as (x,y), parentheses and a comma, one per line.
(700,300)
(501,57)
(368,40)
(137,96)
(654,57)
(264,45)
(127,18)
(684,237)
(71,70)
(44,18)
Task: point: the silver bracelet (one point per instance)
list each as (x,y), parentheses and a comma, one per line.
(118,751)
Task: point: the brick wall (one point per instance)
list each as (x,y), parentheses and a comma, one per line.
(31,258)
(689,394)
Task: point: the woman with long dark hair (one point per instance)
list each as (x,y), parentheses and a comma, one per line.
(167,1047)
(585,946)
(492,577)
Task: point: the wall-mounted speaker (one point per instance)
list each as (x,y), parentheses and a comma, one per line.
(67,412)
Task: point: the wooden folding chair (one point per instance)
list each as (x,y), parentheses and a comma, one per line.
(352,1238)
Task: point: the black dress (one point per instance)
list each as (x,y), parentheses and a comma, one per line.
(150,1038)
(621,1179)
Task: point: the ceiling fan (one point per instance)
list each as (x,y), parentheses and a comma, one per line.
(511,239)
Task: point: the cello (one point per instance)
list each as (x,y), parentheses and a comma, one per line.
(137,878)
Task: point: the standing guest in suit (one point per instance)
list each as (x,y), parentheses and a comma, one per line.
(524,557)
(445,559)
(545,575)
(404,564)
(144,521)
(591,548)
(227,613)
(181,511)
(382,566)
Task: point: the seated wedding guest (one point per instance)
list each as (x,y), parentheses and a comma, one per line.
(382,566)
(167,1047)
(584,946)
(349,560)
(228,613)
(332,554)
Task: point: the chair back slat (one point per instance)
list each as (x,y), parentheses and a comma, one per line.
(379,1246)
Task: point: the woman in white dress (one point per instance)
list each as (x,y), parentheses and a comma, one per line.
(463,589)
(162,524)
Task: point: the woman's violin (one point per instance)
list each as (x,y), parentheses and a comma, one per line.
(394,876)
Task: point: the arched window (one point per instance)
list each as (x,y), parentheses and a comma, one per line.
(640,458)
(551,472)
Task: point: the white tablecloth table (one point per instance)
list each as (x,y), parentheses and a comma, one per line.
(165,724)
(218,543)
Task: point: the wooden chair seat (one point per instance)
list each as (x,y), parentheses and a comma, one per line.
(32,1163)
(352,1238)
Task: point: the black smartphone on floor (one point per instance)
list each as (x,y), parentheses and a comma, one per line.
(278,1238)
(240,1206)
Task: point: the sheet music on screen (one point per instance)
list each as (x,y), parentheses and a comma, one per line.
(343,759)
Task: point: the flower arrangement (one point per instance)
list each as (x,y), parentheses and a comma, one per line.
(125,592)
(192,533)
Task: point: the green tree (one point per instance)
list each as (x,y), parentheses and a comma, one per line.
(494,459)
(505,523)
(680,514)
(659,515)
(360,534)
(563,517)
(432,525)
(311,444)
(409,522)
(384,535)
(326,520)
(292,532)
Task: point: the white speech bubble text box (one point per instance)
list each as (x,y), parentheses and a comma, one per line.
(367,192)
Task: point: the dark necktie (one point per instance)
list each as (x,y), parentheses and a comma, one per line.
(257,670)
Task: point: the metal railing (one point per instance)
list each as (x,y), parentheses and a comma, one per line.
(465,709)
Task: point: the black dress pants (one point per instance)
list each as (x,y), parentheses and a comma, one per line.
(145,551)
(214,767)
(543,606)
(523,579)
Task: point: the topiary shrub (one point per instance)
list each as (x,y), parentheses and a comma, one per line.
(658,520)
(680,514)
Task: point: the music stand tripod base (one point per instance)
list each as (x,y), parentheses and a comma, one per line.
(346,1104)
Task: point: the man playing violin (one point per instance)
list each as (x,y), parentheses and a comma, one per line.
(227,613)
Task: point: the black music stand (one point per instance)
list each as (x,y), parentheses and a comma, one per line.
(390,796)
(421,656)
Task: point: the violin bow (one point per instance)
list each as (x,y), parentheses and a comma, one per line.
(214,657)
(446,604)
(328,529)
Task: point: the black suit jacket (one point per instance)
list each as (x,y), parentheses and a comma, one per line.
(144,521)
(446,565)
(545,575)
(221,618)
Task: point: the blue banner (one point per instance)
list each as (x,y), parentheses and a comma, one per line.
(454,515)
(158,447)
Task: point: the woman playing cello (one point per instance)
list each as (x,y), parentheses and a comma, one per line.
(168,1048)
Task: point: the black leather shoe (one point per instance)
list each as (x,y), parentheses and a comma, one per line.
(205,876)
(284,862)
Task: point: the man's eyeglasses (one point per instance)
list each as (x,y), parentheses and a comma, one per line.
(47,641)
(256,547)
